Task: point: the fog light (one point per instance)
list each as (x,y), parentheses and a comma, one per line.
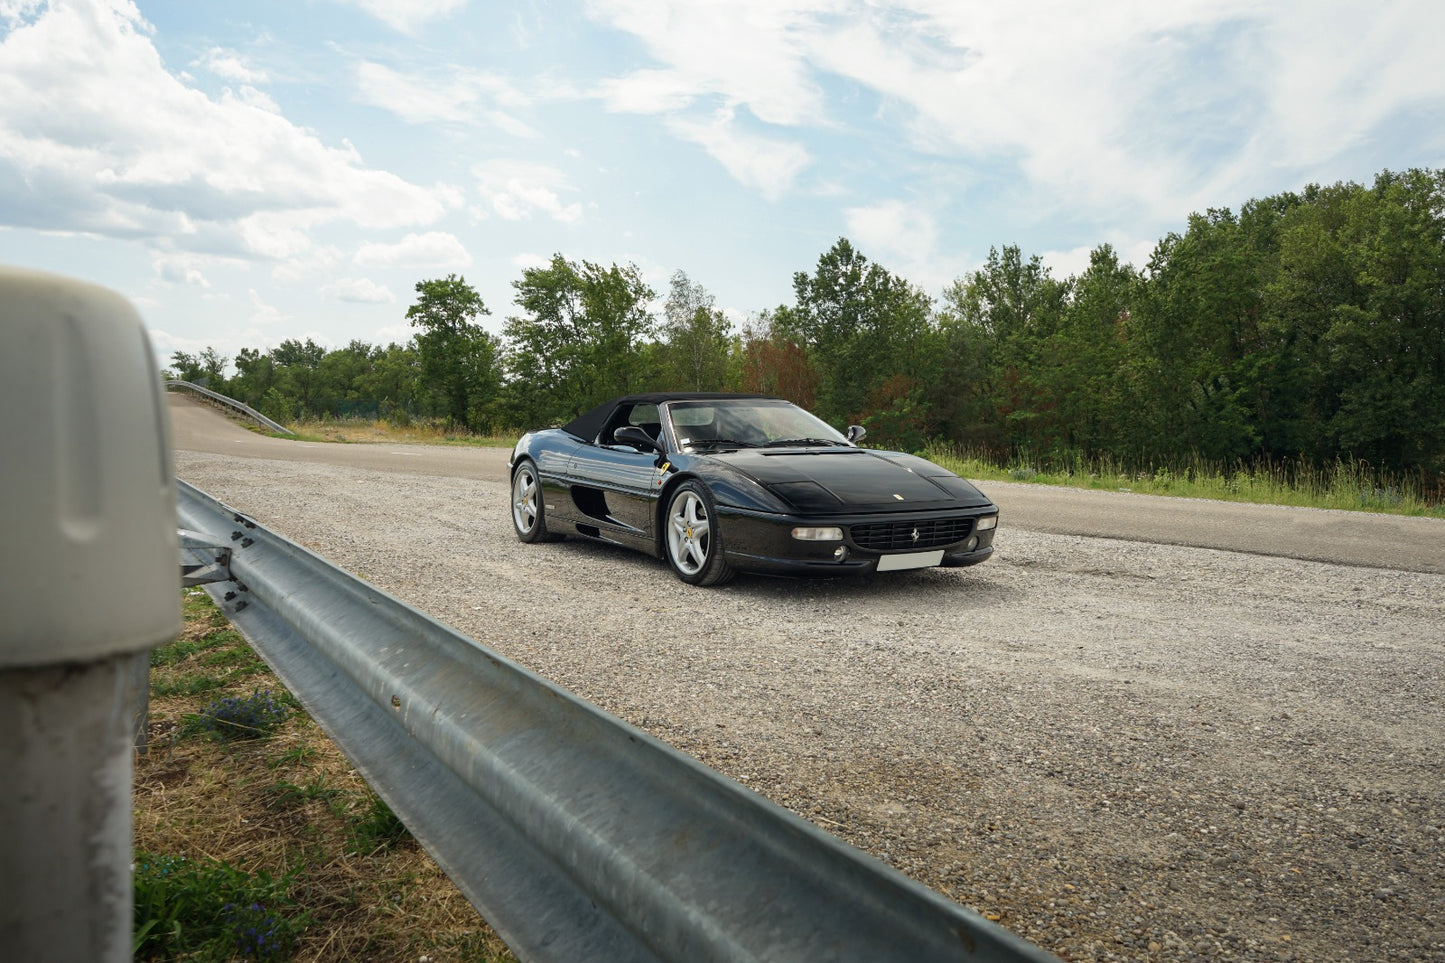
(840,554)
(987,522)
(818,534)
(972,543)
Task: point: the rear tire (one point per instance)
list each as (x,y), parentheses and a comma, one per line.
(692,537)
(529,516)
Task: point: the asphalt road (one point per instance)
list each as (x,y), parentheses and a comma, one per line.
(1346,538)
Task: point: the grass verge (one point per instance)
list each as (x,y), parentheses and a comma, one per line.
(256,840)
(1351,486)
(416,431)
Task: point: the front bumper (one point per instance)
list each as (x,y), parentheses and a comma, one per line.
(761,542)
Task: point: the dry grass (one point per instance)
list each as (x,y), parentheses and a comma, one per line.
(417,431)
(290,803)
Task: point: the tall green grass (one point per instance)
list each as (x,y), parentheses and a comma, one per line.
(1342,484)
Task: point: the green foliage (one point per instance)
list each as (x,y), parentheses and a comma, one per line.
(209,910)
(458,358)
(191,683)
(772,363)
(696,340)
(377,829)
(190,661)
(860,326)
(285,795)
(181,649)
(1305,325)
(1352,486)
(243,717)
(206,369)
(579,342)
(898,416)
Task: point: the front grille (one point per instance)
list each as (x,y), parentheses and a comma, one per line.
(906,536)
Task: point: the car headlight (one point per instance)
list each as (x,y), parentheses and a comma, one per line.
(987,522)
(818,534)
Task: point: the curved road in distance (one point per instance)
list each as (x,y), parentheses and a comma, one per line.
(1344,538)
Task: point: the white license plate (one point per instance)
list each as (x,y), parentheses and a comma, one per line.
(895,563)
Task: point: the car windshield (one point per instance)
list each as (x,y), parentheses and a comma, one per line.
(748,423)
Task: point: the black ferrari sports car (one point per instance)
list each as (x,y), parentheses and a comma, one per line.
(718,483)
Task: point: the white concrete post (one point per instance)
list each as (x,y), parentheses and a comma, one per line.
(89,582)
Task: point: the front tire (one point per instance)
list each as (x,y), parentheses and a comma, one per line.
(529,517)
(693,538)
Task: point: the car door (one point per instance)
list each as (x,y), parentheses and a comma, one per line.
(616,485)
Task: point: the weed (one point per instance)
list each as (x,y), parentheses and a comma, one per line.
(297,755)
(188,685)
(378,828)
(242,717)
(210,910)
(186,646)
(288,795)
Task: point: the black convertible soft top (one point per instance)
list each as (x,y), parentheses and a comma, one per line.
(588,424)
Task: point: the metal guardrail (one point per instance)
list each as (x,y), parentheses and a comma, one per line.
(232,403)
(575,835)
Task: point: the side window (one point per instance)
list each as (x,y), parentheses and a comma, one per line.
(646,418)
(642,416)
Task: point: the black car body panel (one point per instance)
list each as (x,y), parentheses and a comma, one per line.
(889,507)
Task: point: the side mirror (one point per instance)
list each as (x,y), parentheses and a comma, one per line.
(855,433)
(636,437)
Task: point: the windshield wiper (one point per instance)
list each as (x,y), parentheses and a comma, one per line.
(723,442)
(801,443)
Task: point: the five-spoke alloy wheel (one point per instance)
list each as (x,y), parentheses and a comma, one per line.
(693,537)
(528,516)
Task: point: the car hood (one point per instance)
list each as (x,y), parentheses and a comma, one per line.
(831,480)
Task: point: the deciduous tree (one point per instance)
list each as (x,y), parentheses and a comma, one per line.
(458,357)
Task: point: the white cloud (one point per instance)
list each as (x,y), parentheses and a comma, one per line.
(1136,107)
(229,65)
(97,136)
(767,165)
(1070,263)
(408,15)
(394,334)
(746,52)
(514,190)
(526,261)
(903,238)
(648,92)
(893,228)
(457,96)
(180,269)
(435,249)
(264,313)
(359,290)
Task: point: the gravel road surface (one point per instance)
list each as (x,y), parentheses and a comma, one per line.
(1119,750)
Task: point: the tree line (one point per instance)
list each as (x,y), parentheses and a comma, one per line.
(1307,325)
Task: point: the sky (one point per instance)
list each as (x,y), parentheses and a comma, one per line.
(251,172)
